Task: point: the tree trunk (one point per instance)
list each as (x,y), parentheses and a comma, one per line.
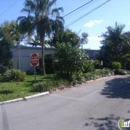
(43,62)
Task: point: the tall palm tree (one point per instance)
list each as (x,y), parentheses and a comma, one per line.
(114,40)
(42,20)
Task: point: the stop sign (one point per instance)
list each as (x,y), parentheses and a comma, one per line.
(34,59)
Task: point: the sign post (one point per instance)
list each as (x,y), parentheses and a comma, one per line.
(34,61)
(102,67)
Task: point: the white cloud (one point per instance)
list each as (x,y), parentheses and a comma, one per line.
(92,23)
(95,38)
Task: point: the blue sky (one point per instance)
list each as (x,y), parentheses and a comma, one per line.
(94,24)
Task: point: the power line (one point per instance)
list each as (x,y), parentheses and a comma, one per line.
(87,13)
(78,8)
(81,10)
(9,7)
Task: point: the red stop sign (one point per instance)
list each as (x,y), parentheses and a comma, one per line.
(34,59)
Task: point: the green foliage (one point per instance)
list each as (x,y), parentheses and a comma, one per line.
(96,64)
(41,19)
(126,61)
(14,75)
(68,36)
(88,66)
(3,69)
(122,72)
(88,76)
(42,86)
(65,37)
(48,85)
(49,64)
(115,44)
(116,65)
(5,53)
(5,27)
(69,60)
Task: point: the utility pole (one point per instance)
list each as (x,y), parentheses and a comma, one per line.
(18,58)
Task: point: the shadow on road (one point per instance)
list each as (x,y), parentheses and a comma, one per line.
(104,123)
(117,88)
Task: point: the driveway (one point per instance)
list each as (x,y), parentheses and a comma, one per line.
(97,105)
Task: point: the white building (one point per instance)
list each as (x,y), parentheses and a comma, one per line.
(21,57)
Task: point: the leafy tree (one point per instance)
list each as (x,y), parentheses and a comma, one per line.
(115,44)
(5,27)
(5,53)
(70,60)
(65,37)
(68,36)
(42,20)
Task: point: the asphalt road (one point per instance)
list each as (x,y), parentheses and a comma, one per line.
(94,106)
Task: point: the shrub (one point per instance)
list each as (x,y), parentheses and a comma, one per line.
(88,76)
(42,86)
(126,61)
(97,64)
(116,65)
(69,60)
(14,75)
(3,69)
(47,86)
(49,64)
(121,72)
(88,66)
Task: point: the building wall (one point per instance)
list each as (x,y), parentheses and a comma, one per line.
(92,53)
(26,51)
(24,58)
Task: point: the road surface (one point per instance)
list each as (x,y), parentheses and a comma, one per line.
(94,106)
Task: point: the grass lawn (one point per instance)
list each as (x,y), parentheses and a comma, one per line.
(13,90)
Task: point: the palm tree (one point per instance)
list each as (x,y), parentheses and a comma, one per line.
(42,20)
(113,39)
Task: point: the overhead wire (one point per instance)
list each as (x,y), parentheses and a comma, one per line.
(77,8)
(76,11)
(16,1)
(87,13)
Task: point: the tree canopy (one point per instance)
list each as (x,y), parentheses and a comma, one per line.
(5,53)
(68,36)
(115,44)
(5,27)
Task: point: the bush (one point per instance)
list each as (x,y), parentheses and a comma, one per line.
(49,64)
(47,86)
(88,67)
(42,86)
(97,64)
(88,76)
(121,72)
(14,75)
(126,61)
(69,60)
(3,69)
(116,65)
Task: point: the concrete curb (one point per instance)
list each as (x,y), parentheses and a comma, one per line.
(25,98)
